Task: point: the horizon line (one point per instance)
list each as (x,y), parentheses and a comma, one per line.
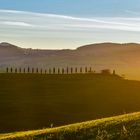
(96,43)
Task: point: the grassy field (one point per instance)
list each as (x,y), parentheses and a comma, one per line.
(123,127)
(35,101)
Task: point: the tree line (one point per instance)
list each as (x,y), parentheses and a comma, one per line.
(67,70)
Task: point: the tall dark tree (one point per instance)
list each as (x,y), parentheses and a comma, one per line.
(58,70)
(53,70)
(81,70)
(7,70)
(32,70)
(36,70)
(90,69)
(86,70)
(41,71)
(15,70)
(28,69)
(11,70)
(67,70)
(19,70)
(24,70)
(45,71)
(50,71)
(76,70)
(71,70)
(63,71)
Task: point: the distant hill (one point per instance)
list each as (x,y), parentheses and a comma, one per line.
(125,58)
(123,127)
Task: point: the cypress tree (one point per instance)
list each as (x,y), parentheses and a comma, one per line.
(15,70)
(32,70)
(53,70)
(90,69)
(49,71)
(41,71)
(45,71)
(58,71)
(7,70)
(36,70)
(71,70)
(24,70)
(63,70)
(11,70)
(67,70)
(86,70)
(81,70)
(19,70)
(28,70)
(75,70)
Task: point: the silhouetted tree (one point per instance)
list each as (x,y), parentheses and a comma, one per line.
(19,70)
(86,70)
(106,71)
(15,70)
(76,70)
(58,70)
(81,70)
(90,70)
(32,70)
(7,70)
(24,70)
(41,71)
(36,70)
(28,70)
(53,70)
(71,70)
(114,72)
(11,70)
(67,70)
(63,71)
(49,71)
(45,71)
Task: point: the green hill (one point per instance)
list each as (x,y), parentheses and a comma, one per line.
(123,127)
(35,101)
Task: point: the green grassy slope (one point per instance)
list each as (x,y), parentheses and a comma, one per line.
(123,127)
(34,101)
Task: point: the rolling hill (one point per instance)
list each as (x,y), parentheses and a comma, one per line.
(34,101)
(123,127)
(125,58)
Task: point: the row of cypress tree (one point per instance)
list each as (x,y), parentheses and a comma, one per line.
(54,70)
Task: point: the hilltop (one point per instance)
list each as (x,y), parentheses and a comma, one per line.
(123,127)
(125,58)
(33,101)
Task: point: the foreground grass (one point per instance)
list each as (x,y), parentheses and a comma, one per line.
(113,128)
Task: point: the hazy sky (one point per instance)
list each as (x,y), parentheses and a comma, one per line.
(60,24)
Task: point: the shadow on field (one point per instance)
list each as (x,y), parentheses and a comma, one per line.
(33,101)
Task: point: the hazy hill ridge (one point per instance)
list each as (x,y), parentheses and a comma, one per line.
(125,58)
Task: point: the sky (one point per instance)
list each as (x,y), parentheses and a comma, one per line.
(63,24)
